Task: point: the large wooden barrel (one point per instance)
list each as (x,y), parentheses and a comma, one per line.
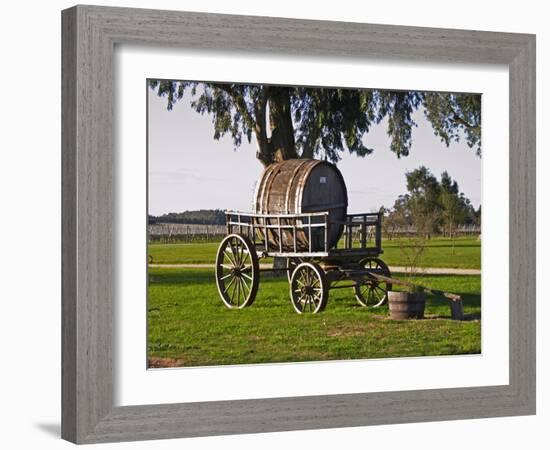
(298,186)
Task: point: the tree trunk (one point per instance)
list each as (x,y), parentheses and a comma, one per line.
(280,121)
(281,144)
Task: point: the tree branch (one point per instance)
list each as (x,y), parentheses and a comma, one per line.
(462,121)
(239,102)
(263,154)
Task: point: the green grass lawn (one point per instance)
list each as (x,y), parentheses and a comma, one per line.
(199,253)
(189,326)
(439,253)
(463,253)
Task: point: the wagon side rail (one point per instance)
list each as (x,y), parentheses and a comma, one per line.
(363,227)
(280,233)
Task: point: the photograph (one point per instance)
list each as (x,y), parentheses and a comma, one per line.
(305,223)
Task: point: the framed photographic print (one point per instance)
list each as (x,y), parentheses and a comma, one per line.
(266,230)
(301,214)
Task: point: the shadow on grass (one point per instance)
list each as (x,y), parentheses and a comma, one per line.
(423,275)
(178,276)
(467,317)
(468,300)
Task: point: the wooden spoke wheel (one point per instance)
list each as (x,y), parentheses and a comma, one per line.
(370,292)
(308,288)
(291,264)
(237,271)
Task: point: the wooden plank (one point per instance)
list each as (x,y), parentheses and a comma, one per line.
(457,310)
(69,261)
(379,277)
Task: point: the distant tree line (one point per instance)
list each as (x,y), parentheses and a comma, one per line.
(201,217)
(431,206)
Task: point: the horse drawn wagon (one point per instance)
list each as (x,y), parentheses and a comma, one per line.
(301,216)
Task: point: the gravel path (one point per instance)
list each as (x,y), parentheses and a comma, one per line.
(396,269)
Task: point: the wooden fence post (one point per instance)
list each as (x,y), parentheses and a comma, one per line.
(457,310)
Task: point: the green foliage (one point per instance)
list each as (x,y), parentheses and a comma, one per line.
(327,121)
(455,115)
(399,107)
(455,207)
(424,200)
(291,122)
(431,205)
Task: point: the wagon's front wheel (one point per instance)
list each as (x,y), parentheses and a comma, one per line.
(291,264)
(371,292)
(237,271)
(308,288)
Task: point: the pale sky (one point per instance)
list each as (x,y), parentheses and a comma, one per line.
(190,170)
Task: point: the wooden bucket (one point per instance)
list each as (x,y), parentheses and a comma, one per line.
(406,305)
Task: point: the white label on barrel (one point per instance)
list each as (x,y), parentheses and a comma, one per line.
(323,180)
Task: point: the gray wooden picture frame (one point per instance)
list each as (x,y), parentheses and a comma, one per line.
(90,34)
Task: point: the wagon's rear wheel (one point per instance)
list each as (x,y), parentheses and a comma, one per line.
(308,288)
(237,271)
(369,292)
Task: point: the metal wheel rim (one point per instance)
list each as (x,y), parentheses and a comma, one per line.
(308,291)
(237,271)
(371,293)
